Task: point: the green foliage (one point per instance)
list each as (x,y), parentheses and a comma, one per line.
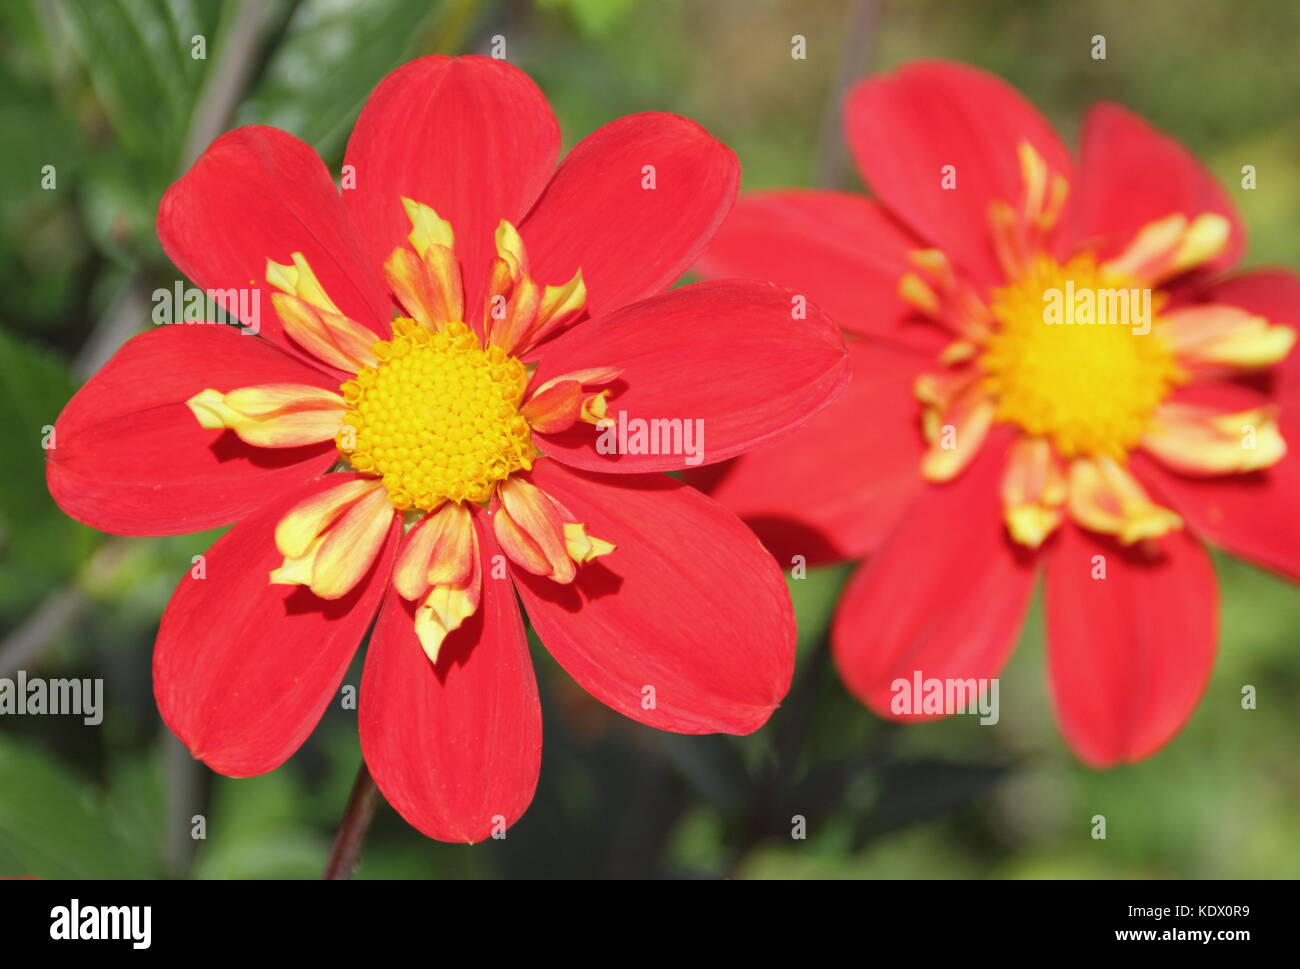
(39,545)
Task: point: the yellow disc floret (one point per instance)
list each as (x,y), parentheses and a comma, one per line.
(1077,357)
(438,417)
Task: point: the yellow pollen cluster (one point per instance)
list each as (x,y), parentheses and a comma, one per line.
(438,418)
(1077,357)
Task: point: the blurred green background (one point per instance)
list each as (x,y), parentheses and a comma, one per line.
(107,91)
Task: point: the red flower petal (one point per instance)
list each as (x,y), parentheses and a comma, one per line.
(842,251)
(130,457)
(1128,655)
(456,746)
(1130,174)
(945,595)
(258,193)
(688,604)
(1275,295)
(834,488)
(727,353)
(905,127)
(1253,515)
(631,241)
(471,137)
(244,669)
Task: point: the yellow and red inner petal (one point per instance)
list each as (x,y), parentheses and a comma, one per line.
(436,417)
(1082,358)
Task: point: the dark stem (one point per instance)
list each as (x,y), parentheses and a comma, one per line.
(346,852)
(833,166)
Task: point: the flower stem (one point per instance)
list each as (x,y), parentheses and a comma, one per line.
(346,852)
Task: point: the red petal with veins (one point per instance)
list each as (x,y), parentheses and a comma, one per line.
(904,129)
(455,748)
(842,251)
(130,458)
(685,626)
(1253,515)
(471,137)
(631,241)
(726,353)
(1130,174)
(259,193)
(243,669)
(1130,654)
(833,489)
(944,596)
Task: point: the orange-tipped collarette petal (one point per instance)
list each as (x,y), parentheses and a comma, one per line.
(519,313)
(1034,489)
(455,746)
(513,298)
(243,669)
(533,514)
(1218,337)
(304,524)
(445,609)
(1105,497)
(130,458)
(427,281)
(271,415)
(439,564)
(267,195)
(956,434)
(331,337)
(1250,515)
(1200,440)
(549,540)
(437,541)
(344,530)
(562,401)
(1171,246)
(555,409)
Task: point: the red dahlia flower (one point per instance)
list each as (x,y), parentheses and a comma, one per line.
(987,442)
(462,436)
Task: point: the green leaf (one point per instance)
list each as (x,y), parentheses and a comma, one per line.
(328,62)
(255,830)
(53,824)
(39,545)
(137,54)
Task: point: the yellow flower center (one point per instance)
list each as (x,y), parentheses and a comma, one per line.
(438,418)
(1076,357)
